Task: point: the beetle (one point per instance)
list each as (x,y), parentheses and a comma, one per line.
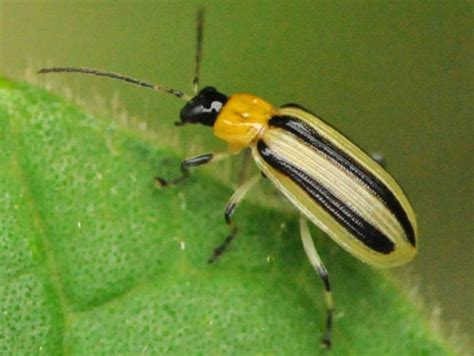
(331,181)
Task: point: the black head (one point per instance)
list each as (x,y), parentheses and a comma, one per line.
(203,108)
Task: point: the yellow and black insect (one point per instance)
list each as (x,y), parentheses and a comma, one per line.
(331,181)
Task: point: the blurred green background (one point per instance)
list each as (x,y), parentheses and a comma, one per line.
(397,77)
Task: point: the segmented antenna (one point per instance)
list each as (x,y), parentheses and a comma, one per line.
(100,73)
(198,55)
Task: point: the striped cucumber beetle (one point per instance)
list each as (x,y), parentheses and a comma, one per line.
(332,182)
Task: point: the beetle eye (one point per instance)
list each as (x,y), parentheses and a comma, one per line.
(203,108)
(216,106)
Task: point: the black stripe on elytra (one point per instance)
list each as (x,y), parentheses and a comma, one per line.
(343,214)
(309,135)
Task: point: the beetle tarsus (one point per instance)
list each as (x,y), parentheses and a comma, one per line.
(161,182)
(326,342)
(219,250)
(185,173)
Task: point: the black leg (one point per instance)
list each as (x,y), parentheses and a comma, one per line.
(185,165)
(232,233)
(229,211)
(320,269)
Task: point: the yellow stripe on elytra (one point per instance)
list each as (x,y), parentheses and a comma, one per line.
(360,156)
(337,180)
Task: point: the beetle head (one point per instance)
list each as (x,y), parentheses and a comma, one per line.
(203,108)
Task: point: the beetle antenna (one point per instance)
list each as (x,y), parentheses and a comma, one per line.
(100,73)
(198,55)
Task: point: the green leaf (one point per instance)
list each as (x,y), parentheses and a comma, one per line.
(96,260)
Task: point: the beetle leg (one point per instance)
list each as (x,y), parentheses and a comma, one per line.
(229,210)
(379,158)
(318,265)
(244,166)
(188,163)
